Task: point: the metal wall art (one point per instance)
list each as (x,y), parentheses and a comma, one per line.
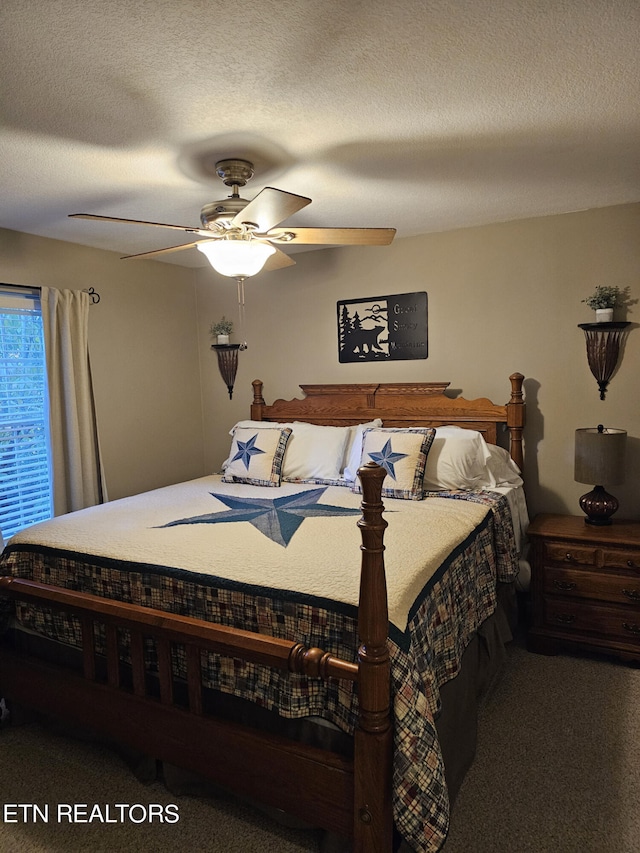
(383,328)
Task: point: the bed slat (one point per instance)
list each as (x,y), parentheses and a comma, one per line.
(165,677)
(113,662)
(137,663)
(194,678)
(88,655)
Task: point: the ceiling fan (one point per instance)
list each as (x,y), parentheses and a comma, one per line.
(241,237)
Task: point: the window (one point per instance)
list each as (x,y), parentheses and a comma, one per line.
(25,481)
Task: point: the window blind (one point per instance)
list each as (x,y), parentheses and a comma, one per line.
(25,487)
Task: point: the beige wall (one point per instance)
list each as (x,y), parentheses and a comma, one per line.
(144,356)
(502,298)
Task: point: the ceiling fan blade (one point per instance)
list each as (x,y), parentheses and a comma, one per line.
(269,208)
(334,236)
(186,228)
(278,261)
(156,252)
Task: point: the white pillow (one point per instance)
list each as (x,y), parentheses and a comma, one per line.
(314,452)
(501,470)
(457,459)
(353,451)
(257,425)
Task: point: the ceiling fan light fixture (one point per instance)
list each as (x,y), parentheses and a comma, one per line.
(236,258)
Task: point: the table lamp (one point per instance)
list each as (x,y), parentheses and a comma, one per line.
(599,458)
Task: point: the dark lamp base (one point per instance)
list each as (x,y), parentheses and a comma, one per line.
(598,506)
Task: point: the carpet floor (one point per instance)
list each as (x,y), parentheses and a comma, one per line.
(557,768)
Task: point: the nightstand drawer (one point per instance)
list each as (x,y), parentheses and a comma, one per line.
(583,584)
(621,559)
(577,555)
(618,622)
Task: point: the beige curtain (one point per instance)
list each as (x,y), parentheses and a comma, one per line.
(77,476)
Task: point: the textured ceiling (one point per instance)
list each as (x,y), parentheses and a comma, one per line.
(423,116)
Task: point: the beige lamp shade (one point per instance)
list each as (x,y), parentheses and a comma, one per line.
(600,455)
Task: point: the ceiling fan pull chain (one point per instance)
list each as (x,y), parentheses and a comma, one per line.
(241,315)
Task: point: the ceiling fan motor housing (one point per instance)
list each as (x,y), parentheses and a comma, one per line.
(223,211)
(234,173)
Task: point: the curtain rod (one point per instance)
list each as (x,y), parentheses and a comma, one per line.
(93,295)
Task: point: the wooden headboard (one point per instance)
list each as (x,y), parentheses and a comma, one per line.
(400,404)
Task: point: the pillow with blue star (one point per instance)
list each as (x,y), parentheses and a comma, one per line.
(256,456)
(403,454)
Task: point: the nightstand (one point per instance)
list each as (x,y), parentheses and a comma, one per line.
(585,586)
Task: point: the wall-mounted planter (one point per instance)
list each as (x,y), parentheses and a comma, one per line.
(603,350)
(228,363)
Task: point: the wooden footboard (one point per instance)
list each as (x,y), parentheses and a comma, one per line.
(350,797)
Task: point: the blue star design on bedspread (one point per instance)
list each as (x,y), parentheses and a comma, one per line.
(247,449)
(276,518)
(386,458)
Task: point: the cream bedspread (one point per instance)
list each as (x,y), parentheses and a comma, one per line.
(240,532)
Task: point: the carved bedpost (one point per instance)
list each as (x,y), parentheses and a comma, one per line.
(258,400)
(373,818)
(515,418)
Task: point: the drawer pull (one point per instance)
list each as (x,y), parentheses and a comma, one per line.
(567,618)
(568,557)
(635,629)
(566,586)
(633,594)
(632,564)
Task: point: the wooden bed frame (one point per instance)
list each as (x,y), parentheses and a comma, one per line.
(349,797)
(400,404)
